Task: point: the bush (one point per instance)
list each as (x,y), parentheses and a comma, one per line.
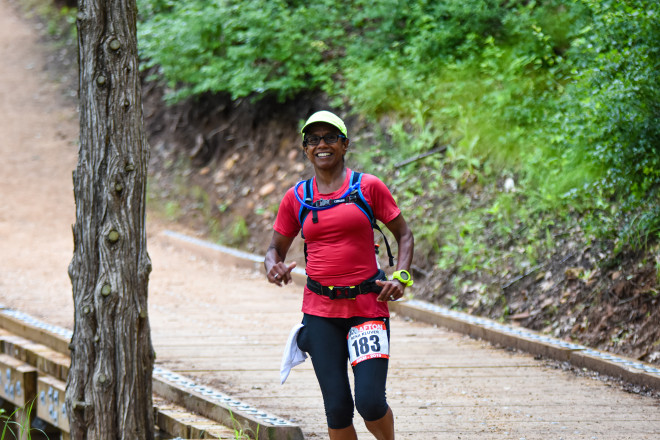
(611,112)
(560,96)
(244,48)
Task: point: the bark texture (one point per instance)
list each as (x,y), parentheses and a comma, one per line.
(109,391)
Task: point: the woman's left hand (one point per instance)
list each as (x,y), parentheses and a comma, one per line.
(392,290)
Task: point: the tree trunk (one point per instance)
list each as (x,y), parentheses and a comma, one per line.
(109,390)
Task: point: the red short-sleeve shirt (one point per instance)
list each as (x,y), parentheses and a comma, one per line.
(340,247)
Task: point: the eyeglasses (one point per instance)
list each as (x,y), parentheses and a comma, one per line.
(314,140)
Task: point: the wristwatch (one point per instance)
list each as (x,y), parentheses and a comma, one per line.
(403,276)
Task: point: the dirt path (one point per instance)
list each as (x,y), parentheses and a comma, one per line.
(37,156)
(226,327)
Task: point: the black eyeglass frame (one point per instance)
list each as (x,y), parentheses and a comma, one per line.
(339,136)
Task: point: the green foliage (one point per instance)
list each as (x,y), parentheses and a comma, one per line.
(239,231)
(60,22)
(621,62)
(240,48)
(561,97)
(610,113)
(490,95)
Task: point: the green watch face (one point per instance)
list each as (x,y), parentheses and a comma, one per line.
(402,275)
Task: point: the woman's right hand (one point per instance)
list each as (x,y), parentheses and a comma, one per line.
(277,271)
(280,273)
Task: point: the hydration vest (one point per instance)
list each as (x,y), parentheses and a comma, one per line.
(352,195)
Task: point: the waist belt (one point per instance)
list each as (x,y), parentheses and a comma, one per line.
(347,292)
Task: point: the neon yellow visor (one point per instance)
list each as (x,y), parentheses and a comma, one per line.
(328,118)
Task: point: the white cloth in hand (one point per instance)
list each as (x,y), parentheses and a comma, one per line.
(293,355)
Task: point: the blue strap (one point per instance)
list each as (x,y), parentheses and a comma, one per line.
(309,196)
(307,204)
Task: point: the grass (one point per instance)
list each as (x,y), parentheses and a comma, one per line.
(12,429)
(241,433)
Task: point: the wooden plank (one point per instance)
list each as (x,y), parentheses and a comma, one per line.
(18,381)
(12,345)
(210,430)
(12,321)
(616,366)
(629,370)
(48,361)
(221,408)
(44,358)
(179,422)
(167,419)
(51,402)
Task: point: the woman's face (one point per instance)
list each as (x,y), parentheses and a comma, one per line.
(324,155)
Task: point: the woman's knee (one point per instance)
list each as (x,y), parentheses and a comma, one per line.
(370,382)
(371,408)
(339,415)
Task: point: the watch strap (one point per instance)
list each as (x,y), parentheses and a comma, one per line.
(404,277)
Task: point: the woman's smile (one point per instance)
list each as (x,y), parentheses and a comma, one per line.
(325,154)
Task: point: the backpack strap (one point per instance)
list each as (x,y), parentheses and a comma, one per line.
(308,197)
(359,200)
(354,196)
(361,203)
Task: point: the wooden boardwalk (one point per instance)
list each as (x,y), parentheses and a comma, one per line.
(226,327)
(222,326)
(441,384)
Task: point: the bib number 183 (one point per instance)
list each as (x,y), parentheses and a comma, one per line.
(368,341)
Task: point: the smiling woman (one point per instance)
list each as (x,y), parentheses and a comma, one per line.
(325,140)
(346,292)
(324,147)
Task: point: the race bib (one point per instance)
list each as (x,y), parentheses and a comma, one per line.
(368,341)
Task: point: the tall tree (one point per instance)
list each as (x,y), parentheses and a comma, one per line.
(109,390)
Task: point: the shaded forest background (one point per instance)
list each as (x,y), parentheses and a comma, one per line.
(520,138)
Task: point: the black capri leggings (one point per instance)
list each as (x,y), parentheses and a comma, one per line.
(325,341)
